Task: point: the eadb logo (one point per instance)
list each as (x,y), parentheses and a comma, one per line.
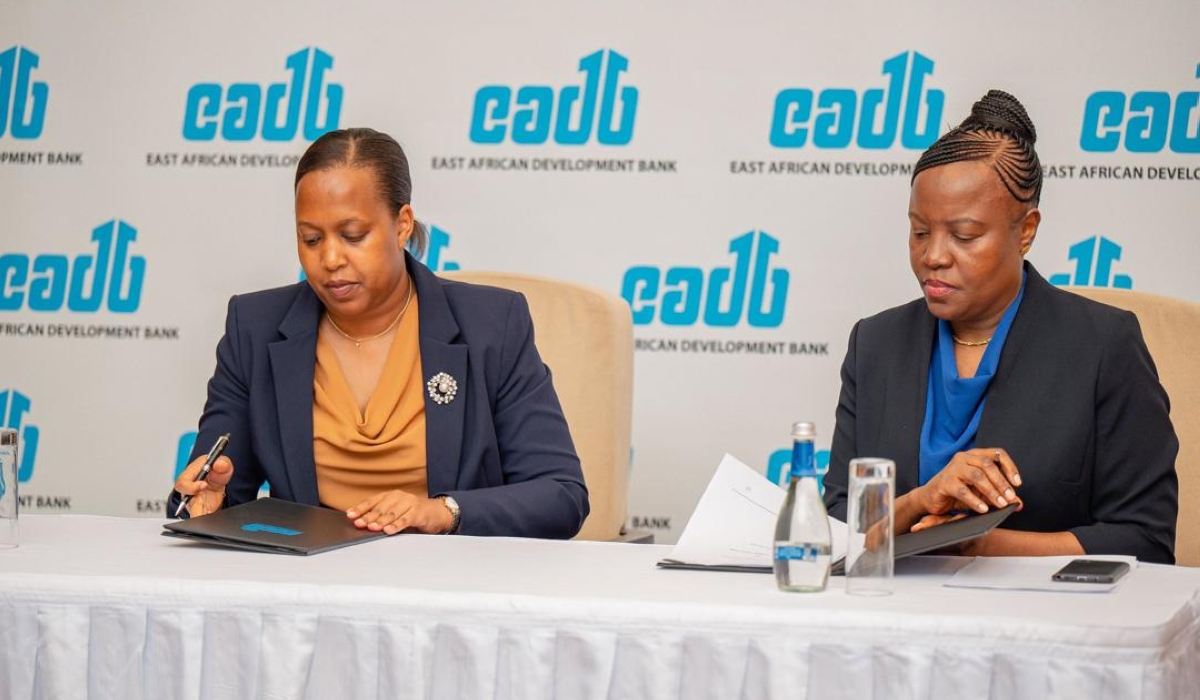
(241,112)
(1146,121)
(779,465)
(871,121)
(439,243)
(22,102)
(183,451)
(681,296)
(1094,260)
(571,117)
(110,277)
(13,407)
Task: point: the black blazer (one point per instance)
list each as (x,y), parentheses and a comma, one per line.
(501,448)
(1075,401)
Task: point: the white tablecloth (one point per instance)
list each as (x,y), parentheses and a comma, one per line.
(95,607)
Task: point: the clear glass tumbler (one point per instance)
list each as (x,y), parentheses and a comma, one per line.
(871,518)
(8,488)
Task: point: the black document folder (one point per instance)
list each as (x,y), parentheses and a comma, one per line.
(943,535)
(906,545)
(273,525)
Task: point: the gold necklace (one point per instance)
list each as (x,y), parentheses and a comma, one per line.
(970,343)
(359,341)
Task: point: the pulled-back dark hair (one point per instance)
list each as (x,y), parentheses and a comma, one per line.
(367,148)
(1000,133)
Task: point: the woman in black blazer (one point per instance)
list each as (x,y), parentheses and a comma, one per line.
(998,388)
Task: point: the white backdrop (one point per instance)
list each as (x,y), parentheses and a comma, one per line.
(95,133)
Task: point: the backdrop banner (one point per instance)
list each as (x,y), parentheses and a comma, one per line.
(738,172)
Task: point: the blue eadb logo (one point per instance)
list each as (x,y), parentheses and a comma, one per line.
(22,102)
(779,466)
(183,453)
(571,117)
(1094,260)
(680,295)
(13,407)
(1146,122)
(439,243)
(110,277)
(240,112)
(871,120)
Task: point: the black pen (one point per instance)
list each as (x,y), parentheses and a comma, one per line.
(217,448)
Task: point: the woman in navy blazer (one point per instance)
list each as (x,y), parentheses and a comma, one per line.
(499,455)
(998,388)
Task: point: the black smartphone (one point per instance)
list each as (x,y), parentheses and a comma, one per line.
(1092,571)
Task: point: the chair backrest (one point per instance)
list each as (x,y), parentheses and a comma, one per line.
(585,336)
(1172,331)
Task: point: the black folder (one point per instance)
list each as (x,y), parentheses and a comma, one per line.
(943,535)
(273,525)
(905,545)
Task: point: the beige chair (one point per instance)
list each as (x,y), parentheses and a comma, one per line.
(585,336)
(1172,331)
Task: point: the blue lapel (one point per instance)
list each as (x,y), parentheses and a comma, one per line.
(293,362)
(443,422)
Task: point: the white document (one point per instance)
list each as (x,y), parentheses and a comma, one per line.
(1031,574)
(734,523)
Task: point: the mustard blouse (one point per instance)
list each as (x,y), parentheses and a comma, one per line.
(359,454)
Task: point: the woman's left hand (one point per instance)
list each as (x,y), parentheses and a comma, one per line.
(968,548)
(977,547)
(393,511)
(960,511)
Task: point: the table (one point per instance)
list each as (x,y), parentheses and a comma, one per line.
(95,607)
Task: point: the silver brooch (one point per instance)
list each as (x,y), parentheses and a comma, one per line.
(442,388)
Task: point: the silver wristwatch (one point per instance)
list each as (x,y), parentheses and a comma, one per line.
(455,513)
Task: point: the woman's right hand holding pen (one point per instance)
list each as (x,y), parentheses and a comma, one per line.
(208,495)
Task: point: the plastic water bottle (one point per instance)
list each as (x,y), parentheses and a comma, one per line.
(802,539)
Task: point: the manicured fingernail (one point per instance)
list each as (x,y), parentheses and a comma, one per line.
(1017,478)
(390,529)
(351,514)
(359,522)
(1009,493)
(982,508)
(1001,502)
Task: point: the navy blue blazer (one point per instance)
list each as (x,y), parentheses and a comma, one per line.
(501,448)
(1075,401)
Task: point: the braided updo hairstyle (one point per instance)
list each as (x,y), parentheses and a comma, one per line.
(1000,133)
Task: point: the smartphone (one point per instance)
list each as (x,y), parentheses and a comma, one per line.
(1092,571)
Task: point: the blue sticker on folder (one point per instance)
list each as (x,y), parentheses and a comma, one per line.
(273,529)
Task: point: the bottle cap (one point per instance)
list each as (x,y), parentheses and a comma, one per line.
(804,431)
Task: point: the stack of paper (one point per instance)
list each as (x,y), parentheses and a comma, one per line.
(733,526)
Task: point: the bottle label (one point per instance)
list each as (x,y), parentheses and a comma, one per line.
(788,552)
(804,461)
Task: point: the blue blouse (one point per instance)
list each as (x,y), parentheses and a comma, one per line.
(953,404)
